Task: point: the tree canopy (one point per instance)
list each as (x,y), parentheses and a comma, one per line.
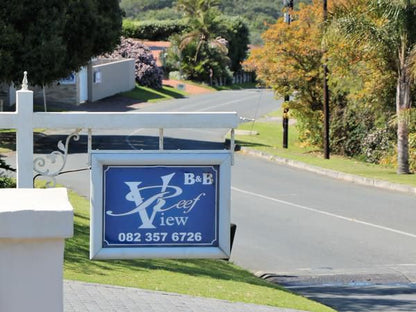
(203,51)
(289,62)
(387,28)
(369,47)
(258,14)
(51,38)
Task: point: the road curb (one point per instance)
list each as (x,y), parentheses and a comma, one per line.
(331,173)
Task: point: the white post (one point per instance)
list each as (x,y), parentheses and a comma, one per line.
(33,226)
(24,136)
(161,139)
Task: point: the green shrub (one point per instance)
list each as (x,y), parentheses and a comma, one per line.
(6,182)
(412,139)
(308,123)
(376,145)
(152,30)
(349,128)
(412,151)
(175,75)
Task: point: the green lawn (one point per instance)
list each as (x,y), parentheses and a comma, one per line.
(270,137)
(240,86)
(206,278)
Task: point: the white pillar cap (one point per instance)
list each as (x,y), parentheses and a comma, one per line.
(35,213)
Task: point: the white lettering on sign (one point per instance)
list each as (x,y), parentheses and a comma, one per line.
(170,221)
(158,201)
(205,179)
(159,237)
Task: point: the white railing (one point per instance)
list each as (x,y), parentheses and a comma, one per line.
(24,120)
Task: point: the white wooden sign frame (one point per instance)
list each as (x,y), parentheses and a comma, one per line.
(100,159)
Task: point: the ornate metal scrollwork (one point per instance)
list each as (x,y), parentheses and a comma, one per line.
(42,165)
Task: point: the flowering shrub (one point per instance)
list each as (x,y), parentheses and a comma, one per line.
(376,145)
(148,74)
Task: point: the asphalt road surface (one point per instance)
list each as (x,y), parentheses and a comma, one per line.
(349,246)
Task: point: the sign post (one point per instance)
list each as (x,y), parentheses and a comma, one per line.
(171,204)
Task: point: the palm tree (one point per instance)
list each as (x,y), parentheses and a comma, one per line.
(201,15)
(390,27)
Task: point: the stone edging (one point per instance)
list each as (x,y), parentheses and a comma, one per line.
(332,173)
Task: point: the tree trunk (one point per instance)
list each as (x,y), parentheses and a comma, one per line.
(402,107)
(44,98)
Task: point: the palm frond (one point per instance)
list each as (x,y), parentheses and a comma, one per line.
(412,62)
(376,22)
(220,44)
(188,38)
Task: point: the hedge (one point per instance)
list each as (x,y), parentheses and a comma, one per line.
(152,30)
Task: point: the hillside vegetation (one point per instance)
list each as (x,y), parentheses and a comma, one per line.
(259,14)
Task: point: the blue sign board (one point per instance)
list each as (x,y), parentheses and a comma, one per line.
(151,206)
(170,204)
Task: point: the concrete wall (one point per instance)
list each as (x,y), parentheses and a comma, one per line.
(33,226)
(109,77)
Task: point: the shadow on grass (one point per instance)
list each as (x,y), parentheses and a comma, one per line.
(240,144)
(172,92)
(77,258)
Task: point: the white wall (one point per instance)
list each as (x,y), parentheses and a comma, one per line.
(111,78)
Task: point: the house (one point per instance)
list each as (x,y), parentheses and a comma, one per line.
(100,79)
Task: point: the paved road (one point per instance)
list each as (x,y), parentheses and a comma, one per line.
(348,246)
(250,103)
(309,223)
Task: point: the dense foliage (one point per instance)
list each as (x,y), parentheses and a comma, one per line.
(153,30)
(258,14)
(235,30)
(148,74)
(50,38)
(386,30)
(290,63)
(363,77)
(149,9)
(212,46)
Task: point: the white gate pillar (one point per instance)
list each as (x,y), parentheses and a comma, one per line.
(33,226)
(24,136)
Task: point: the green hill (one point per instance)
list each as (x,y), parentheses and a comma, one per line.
(258,13)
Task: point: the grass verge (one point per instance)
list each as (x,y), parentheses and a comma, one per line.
(237,86)
(270,140)
(206,278)
(145,94)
